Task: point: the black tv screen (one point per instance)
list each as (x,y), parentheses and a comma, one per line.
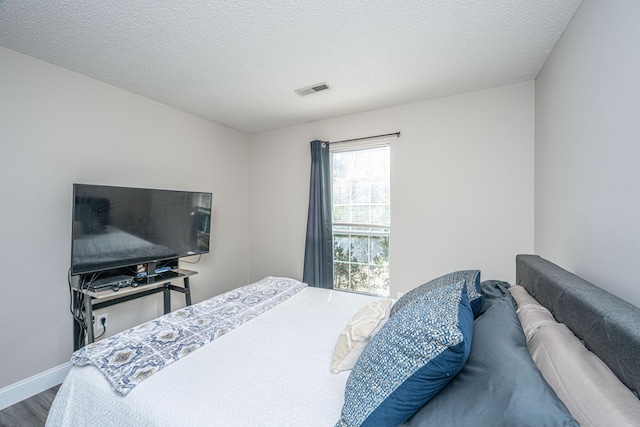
(116,227)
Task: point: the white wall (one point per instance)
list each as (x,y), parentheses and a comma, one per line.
(59,127)
(461,182)
(587,179)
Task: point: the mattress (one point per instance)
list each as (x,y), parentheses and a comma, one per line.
(272,370)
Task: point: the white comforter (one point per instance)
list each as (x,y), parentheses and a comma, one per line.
(271,371)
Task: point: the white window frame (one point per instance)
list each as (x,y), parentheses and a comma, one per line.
(374,230)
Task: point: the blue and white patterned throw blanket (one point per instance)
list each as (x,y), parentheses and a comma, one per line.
(126,359)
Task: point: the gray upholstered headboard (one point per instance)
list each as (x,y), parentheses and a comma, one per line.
(608,325)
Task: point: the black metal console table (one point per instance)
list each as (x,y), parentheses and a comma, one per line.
(159,283)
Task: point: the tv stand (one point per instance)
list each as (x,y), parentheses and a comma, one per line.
(160,282)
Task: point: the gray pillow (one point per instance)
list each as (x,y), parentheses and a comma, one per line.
(499,385)
(492,291)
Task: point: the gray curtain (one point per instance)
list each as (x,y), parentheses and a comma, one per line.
(318,253)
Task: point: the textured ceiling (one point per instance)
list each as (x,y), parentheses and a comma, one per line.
(238,62)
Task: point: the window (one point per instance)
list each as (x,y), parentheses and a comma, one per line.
(361,219)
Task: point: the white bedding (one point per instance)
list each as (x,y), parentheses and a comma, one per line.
(270,371)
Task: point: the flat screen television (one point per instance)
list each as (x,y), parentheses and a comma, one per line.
(120,227)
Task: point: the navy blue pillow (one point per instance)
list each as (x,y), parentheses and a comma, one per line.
(500,384)
(471,277)
(410,359)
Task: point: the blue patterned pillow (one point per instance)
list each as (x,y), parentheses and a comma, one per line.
(471,277)
(415,354)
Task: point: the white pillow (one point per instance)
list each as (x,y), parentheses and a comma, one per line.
(358,332)
(589,389)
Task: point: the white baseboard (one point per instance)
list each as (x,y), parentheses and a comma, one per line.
(24,389)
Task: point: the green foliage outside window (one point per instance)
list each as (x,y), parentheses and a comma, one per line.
(361,263)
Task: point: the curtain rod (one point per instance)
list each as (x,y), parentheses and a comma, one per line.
(397,134)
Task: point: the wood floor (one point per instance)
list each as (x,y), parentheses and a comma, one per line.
(31,412)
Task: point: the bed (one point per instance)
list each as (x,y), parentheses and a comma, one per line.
(550,349)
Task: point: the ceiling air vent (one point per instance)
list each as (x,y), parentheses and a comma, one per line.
(312,89)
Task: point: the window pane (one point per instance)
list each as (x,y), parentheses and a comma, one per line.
(341,192)
(360,278)
(380,191)
(360,214)
(340,247)
(380,281)
(380,251)
(341,214)
(341,275)
(380,214)
(360,245)
(360,191)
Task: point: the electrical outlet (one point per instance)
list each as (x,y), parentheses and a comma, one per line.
(99,318)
